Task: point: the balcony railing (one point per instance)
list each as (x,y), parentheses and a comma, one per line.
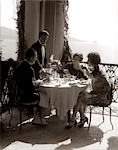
(110,70)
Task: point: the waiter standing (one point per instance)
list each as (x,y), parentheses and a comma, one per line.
(40,47)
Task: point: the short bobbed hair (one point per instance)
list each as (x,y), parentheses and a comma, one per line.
(30,52)
(94,58)
(80,56)
(43,32)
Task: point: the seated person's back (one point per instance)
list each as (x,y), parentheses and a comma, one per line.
(24,75)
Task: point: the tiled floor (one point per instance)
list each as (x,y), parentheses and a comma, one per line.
(55,137)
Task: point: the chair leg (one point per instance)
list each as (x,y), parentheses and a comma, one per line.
(2,129)
(90,118)
(37,111)
(10,112)
(20,118)
(103,114)
(28,115)
(110,118)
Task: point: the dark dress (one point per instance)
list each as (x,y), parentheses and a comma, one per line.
(100,95)
(78,73)
(23,77)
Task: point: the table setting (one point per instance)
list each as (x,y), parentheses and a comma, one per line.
(56,79)
(60,91)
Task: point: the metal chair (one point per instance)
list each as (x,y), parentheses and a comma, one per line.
(11,97)
(15,98)
(29,106)
(92,106)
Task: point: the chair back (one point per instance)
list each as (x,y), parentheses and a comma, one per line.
(110,94)
(103,100)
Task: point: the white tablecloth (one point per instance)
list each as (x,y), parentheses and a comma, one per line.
(63,97)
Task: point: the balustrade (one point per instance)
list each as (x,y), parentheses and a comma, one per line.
(110,70)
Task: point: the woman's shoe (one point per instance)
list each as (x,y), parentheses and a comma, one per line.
(68,126)
(75,123)
(71,124)
(82,122)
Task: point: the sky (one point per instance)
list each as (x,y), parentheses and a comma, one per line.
(8,13)
(93,21)
(7,19)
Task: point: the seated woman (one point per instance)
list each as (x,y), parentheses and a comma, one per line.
(99,93)
(75,68)
(25,76)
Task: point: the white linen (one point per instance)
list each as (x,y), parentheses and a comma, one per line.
(43,54)
(62,96)
(44,100)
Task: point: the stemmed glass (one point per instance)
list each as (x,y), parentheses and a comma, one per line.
(66,75)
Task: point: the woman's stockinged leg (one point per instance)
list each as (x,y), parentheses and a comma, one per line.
(82,103)
(82,110)
(75,110)
(83,118)
(80,106)
(73,121)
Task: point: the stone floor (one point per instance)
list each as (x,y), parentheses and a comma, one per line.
(56,137)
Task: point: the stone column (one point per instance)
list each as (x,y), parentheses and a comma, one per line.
(32,19)
(42,14)
(0,73)
(54,23)
(49,24)
(47,15)
(59,30)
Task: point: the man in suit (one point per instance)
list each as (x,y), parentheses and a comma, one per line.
(24,75)
(25,80)
(40,47)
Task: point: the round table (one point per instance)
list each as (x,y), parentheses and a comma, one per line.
(61,94)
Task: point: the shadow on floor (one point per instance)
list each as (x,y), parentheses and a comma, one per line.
(54,133)
(113,143)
